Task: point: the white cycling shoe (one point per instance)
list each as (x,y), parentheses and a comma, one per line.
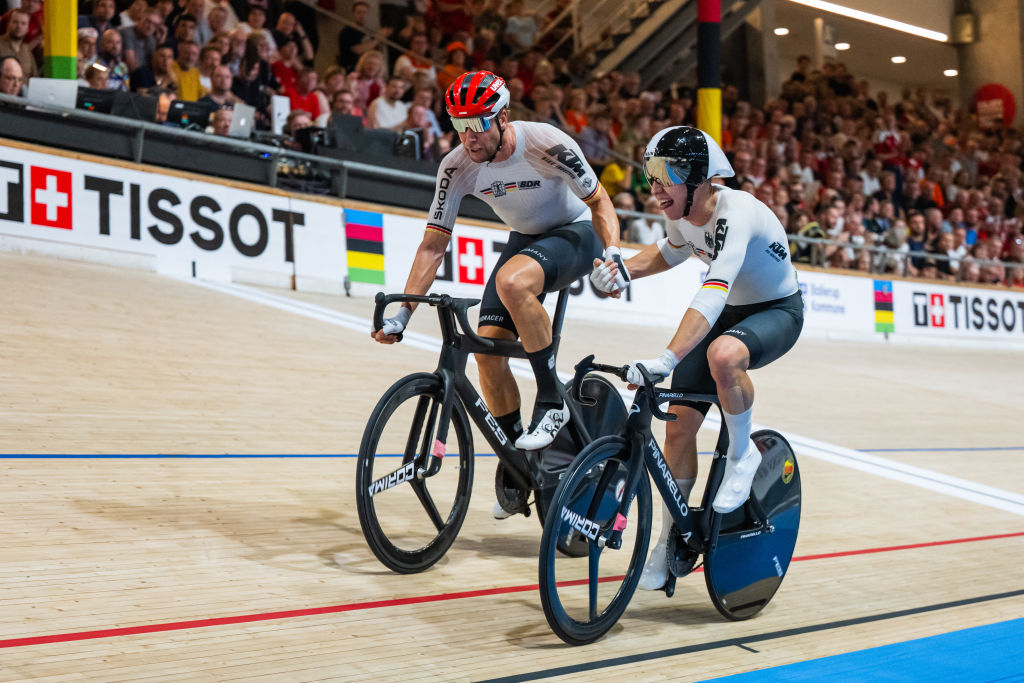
(499,512)
(655,573)
(543,431)
(737,480)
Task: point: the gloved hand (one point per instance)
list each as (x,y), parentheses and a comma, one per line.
(397,323)
(613,277)
(662,366)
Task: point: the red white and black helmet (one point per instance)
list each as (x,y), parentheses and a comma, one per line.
(474,98)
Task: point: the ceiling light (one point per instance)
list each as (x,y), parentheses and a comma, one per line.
(899,59)
(782,31)
(873,19)
(950,73)
(842,46)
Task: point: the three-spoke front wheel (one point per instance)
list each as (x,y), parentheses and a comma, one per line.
(584,596)
(410,520)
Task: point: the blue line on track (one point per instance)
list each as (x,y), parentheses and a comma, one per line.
(983,653)
(941,450)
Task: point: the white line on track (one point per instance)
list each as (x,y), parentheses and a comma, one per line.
(839,455)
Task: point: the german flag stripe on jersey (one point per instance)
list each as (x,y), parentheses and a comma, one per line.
(593,194)
(720,285)
(364,244)
(439,228)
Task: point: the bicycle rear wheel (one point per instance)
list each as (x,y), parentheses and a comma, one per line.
(410,522)
(584,596)
(747,562)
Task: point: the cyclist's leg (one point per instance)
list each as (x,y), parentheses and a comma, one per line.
(756,340)
(552,261)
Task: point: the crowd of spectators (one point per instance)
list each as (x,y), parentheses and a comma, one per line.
(915,175)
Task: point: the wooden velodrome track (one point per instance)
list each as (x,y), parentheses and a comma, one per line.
(216,568)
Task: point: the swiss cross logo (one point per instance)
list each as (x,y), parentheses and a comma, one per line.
(471,261)
(937,304)
(50,197)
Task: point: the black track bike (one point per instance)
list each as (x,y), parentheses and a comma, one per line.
(604,499)
(414,472)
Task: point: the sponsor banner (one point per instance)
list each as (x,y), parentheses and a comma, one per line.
(937,311)
(474,251)
(837,303)
(179,226)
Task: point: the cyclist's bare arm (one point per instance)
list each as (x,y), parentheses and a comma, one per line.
(429,256)
(606,223)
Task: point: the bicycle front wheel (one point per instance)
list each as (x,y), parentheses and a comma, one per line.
(584,596)
(410,521)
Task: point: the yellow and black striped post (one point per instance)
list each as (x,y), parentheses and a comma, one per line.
(709,84)
(60,39)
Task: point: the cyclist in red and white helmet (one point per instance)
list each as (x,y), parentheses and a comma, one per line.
(537,181)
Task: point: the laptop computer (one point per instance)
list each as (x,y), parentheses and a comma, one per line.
(280,107)
(241,121)
(58,92)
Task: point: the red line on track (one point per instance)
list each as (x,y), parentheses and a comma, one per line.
(397,602)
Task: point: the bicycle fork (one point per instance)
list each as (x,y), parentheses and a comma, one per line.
(636,446)
(433,453)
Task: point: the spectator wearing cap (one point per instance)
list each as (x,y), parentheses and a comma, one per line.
(87,39)
(110,57)
(103,17)
(13,43)
(287,66)
(415,60)
(456,55)
(12,78)
(156,74)
(186,73)
(388,110)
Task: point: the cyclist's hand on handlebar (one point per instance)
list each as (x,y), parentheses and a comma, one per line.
(610,275)
(662,366)
(392,327)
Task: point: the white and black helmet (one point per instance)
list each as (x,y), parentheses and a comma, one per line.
(687,156)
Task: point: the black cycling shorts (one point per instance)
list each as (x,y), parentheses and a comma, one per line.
(768,330)
(565,254)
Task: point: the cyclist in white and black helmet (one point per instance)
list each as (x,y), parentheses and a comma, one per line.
(537,181)
(748,312)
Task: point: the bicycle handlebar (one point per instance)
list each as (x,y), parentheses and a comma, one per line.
(622,372)
(441,301)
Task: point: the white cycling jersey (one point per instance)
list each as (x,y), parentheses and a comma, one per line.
(543,185)
(745,247)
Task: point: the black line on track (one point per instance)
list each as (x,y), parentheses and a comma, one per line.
(739,642)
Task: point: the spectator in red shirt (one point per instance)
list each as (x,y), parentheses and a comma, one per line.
(305,96)
(287,67)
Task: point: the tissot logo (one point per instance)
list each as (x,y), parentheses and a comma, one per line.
(50,197)
(12,192)
(962,312)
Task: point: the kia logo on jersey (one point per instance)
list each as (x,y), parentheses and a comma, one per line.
(50,197)
(471,260)
(12,192)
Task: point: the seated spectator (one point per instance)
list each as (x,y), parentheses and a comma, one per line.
(356,40)
(305,95)
(521,27)
(220,121)
(415,60)
(597,140)
(14,43)
(289,29)
(217,21)
(220,96)
(186,73)
(102,18)
(332,82)
(255,23)
(971,272)
(236,50)
(617,177)
(288,65)
(916,242)
(455,64)
(366,81)
(97,76)
(255,83)
(230,16)
(344,103)
(418,123)
(388,110)
(576,114)
(297,120)
(647,230)
(134,14)
(209,59)
(140,39)
(12,78)
(425,98)
(184,31)
(517,110)
(87,39)
(110,57)
(157,74)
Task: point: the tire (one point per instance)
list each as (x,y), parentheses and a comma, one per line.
(409,523)
(746,564)
(583,597)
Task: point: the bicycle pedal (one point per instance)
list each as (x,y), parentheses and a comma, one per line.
(670,586)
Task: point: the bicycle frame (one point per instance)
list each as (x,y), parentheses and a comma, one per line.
(451,368)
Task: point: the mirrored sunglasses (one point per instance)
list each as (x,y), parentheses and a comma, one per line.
(477,124)
(666,171)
